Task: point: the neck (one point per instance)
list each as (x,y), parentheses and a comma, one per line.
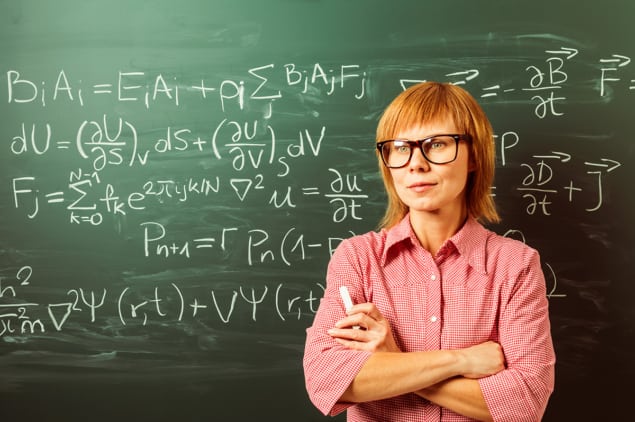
(434,228)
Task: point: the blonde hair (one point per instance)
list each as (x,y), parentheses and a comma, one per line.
(432,102)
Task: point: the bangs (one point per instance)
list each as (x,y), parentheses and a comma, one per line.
(419,107)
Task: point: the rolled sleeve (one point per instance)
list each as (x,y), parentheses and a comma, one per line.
(328,371)
(329,368)
(522,390)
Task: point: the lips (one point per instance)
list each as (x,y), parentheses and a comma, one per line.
(420,186)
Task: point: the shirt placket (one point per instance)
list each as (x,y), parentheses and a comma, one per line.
(433,311)
(433,322)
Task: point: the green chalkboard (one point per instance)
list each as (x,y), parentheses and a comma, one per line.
(175,174)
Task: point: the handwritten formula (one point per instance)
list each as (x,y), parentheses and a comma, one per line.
(264,177)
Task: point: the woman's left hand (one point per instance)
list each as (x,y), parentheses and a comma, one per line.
(365,328)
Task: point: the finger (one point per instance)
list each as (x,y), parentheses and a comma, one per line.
(355,320)
(368,309)
(363,308)
(374,313)
(355,345)
(347,334)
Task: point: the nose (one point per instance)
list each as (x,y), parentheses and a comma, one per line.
(418,161)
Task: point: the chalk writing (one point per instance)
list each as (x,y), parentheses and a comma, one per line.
(138,86)
(266,142)
(141,306)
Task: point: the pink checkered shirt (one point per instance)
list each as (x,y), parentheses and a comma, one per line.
(479,287)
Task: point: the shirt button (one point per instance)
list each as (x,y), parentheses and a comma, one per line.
(433,277)
(433,318)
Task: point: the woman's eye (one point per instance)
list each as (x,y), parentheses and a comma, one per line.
(437,144)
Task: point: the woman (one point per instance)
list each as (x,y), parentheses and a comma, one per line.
(451,320)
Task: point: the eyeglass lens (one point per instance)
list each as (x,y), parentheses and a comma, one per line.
(437,150)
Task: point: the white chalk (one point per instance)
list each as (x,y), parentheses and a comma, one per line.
(346,298)
(348,303)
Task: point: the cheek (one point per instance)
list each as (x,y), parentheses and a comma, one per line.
(398,183)
(456,179)
(460,175)
(461,171)
(396,177)
(402,192)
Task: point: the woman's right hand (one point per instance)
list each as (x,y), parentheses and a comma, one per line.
(365,328)
(483,360)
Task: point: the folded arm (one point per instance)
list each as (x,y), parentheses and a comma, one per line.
(460,394)
(445,377)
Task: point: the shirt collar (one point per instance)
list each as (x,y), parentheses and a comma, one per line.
(397,234)
(470,241)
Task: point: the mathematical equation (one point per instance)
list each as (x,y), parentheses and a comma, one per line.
(87,199)
(144,88)
(262,83)
(260,246)
(539,184)
(137,306)
(547,78)
(96,141)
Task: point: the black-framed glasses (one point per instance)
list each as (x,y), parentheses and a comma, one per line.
(437,149)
